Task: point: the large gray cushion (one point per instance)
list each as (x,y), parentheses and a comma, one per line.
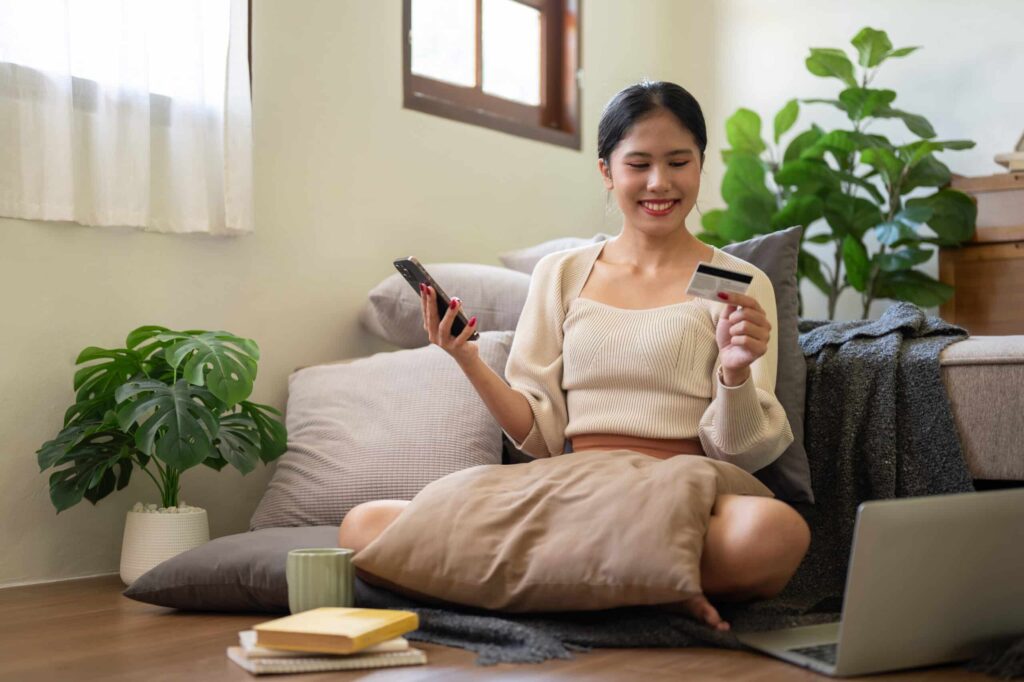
(243,572)
(524,260)
(380,427)
(495,296)
(789,477)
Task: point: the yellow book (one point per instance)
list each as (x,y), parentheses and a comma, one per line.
(335,629)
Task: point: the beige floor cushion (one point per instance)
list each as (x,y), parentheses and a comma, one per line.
(582,531)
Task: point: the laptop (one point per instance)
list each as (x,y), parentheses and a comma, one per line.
(931,580)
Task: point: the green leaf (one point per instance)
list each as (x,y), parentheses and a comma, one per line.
(810,267)
(914,215)
(176,423)
(713,239)
(785,119)
(273,435)
(850,215)
(806,174)
(904,259)
(223,362)
(86,474)
(917,124)
(799,210)
(238,441)
(929,172)
(864,102)
(855,258)
(953,215)
(102,484)
(885,162)
(824,238)
(711,220)
(873,46)
(893,231)
(745,176)
(913,286)
(99,381)
(735,228)
(743,130)
(914,152)
(801,142)
(902,52)
(828,62)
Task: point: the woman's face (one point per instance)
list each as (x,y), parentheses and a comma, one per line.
(655,174)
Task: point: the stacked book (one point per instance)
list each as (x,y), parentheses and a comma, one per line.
(329,638)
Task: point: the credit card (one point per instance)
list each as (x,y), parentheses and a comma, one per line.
(708,280)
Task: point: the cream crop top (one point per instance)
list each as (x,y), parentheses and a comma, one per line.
(588,367)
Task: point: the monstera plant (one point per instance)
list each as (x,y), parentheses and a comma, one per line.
(164,403)
(845,184)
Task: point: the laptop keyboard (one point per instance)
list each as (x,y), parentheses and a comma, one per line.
(819,652)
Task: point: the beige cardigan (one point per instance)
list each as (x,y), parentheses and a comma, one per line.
(588,367)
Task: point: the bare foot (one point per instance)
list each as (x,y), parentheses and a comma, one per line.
(701,609)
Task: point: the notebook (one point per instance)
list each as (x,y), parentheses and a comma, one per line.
(307,664)
(335,629)
(247,641)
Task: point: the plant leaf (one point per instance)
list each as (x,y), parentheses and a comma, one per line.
(223,362)
(176,423)
(904,259)
(893,231)
(807,175)
(238,441)
(98,381)
(798,210)
(855,258)
(929,172)
(810,267)
(913,286)
(785,119)
(801,142)
(873,46)
(864,102)
(829,62)
(902,52)
(916,123)
(745,176)
(273,435)
(953,215)
(88,461)
(850,215)
(743,130)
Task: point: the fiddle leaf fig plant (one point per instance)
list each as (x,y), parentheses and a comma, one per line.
(845,184)
(164,403)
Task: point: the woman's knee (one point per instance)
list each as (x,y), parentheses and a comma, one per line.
(364,522)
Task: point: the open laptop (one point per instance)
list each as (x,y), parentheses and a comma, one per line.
(931,580)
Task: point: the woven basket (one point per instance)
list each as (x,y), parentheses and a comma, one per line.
(150,538)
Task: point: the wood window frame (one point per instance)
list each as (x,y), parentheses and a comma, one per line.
(555,120)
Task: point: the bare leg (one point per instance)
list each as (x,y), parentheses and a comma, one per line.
(364,522)
(752,548)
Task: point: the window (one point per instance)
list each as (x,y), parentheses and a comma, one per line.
(510,65)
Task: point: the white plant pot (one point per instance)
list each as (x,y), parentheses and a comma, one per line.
(153,537)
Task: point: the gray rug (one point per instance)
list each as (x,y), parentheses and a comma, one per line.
(878,425)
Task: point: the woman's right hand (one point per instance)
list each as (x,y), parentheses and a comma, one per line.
(440,331)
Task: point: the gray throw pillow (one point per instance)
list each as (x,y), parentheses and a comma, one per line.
(789,477)
(243,572)
(524,260)
(380,427)
(494,295)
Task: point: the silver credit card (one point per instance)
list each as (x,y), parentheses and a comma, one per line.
(708,280)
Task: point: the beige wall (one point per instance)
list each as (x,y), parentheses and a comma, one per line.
(346,180)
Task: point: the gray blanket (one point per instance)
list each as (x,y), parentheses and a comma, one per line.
(878,425)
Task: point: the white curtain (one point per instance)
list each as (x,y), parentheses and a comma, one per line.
(126,112)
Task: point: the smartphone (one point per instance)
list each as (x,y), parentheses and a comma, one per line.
(415,274)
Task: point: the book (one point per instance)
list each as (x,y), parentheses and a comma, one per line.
(247,641)
(308,664)
(335,629)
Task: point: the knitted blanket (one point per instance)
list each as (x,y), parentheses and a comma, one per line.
(877,425)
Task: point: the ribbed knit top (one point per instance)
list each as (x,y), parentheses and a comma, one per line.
(589,367)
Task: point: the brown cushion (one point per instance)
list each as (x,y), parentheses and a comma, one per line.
(582,531)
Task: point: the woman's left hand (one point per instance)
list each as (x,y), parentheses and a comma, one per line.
(742,336)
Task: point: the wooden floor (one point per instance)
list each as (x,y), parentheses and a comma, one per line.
(85,630)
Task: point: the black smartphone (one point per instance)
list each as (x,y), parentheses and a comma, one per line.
(415,274)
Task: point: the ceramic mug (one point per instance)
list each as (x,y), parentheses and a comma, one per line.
(319,577)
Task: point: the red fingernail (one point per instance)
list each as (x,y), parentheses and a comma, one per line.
(423,287)
(723,296)
(472,321)
(454,303)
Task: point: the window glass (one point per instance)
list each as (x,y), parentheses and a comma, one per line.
(511,51)
(444,46)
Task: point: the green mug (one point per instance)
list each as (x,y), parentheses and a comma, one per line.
(319,577)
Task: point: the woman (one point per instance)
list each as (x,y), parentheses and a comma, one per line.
(610,353)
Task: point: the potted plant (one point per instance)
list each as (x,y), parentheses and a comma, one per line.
(164,403)
(846,184)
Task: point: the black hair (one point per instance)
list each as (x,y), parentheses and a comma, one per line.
(637,101)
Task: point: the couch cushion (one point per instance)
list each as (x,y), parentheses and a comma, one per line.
(983,376)
(495,296)
(526,259)
(242,572)
(380,427)
(583,531)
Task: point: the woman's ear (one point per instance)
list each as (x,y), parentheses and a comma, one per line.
(606,174)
